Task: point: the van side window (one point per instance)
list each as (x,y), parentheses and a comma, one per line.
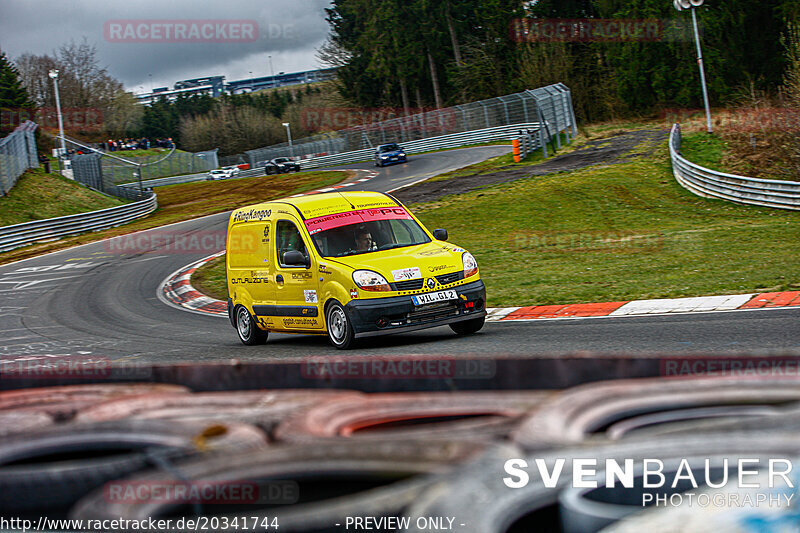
(288,239)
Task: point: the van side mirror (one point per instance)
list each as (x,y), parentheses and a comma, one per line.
(295,258)
(440,234)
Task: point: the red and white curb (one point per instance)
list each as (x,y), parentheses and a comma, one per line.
(177,291)
(366,176)
(700,304)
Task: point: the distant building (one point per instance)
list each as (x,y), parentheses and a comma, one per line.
(216,86)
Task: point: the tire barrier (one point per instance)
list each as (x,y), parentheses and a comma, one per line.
(63,403)
(601,410)
(475,415)
(313,458)
(51,469)
(11,423)
(334,481)
(264,409)
(495,508)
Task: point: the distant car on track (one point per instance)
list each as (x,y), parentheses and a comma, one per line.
(222,173)
(387,154)
(281,165)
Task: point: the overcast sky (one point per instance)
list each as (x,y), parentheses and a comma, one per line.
(288,30)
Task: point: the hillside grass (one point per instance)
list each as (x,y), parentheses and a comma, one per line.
(618,232)
(38,195)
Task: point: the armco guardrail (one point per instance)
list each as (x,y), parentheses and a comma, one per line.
(713,184)
(52,228)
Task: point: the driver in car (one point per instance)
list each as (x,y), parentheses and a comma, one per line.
(364,242)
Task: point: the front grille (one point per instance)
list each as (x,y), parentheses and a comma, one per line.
(444,279)
(408,285)
(433,312)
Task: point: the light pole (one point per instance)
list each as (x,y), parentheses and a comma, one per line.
(289,133)
(54,77)
(691,5)
(272,71)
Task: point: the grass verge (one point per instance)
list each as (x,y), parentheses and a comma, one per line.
(618,232)
(38,195)
(177,203)
(210,279)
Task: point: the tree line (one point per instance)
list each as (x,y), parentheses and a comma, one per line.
(441,52)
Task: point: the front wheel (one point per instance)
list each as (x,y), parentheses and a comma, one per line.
(249,333)
(468,327)
(340,330)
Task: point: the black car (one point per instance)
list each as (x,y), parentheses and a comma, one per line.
(281,165)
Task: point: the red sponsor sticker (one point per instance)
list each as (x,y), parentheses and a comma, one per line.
(360,216)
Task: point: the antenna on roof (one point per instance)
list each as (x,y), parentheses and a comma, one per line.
(346,200)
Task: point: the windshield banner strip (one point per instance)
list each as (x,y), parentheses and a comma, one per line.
(327,222)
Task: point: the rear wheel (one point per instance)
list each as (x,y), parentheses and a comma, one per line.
(468,327)
(249,332)
(340,329)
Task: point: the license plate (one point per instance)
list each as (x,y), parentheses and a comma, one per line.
(433,297)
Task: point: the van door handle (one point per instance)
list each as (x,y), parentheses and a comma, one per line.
(279,278)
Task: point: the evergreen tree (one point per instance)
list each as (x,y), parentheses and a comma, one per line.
(14,100)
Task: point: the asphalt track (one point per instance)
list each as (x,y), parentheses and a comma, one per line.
(99,300)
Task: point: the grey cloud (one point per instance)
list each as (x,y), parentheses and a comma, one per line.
(289,30)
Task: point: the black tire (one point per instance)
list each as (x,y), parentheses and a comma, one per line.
(334,480)
(338,325)
(249,333)
(473,416)
(264,409)
(593,411)
(64,403)
(468,327)
(49,470)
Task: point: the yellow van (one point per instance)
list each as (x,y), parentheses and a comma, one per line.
(349,265)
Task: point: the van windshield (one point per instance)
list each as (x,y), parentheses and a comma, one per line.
(358,232)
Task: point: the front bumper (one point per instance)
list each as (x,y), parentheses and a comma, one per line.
(382,316)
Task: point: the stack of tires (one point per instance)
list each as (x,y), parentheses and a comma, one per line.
(314,460)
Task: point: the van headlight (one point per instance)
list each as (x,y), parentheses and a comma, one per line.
(470,265)
(370,281)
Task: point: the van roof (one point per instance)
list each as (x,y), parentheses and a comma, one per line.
(330,203)
(318,205)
